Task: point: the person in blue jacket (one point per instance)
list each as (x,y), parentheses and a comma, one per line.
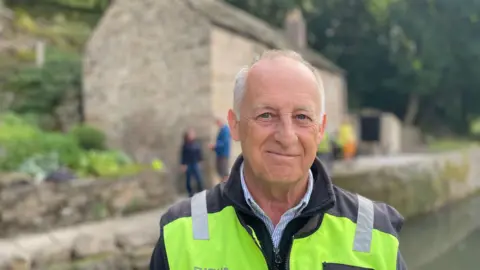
(191,158)
(222,149)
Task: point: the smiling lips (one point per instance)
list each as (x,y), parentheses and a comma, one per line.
(280,154)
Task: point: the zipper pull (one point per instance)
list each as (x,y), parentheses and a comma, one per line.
(278,258)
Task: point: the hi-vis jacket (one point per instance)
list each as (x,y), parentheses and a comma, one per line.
(337,230)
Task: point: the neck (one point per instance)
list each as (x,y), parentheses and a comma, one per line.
(275,199)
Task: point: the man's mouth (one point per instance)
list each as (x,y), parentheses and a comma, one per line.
(282,154)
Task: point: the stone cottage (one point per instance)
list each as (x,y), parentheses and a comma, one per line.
(155,67)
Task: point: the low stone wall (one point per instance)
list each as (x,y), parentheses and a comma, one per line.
(37,208)
(123,243)
(416,184)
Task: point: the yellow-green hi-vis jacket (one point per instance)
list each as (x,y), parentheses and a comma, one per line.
(337,230)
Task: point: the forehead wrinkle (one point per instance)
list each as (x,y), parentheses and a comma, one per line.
(295,108)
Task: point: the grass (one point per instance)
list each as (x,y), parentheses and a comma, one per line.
(442,145)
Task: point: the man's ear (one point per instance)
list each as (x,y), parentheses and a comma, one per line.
(233,124)
(322,127)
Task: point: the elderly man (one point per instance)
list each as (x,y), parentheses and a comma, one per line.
(278,209)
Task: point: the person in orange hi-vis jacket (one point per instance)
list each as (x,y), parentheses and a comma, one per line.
(347,139)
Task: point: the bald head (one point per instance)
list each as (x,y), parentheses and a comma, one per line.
(275,68)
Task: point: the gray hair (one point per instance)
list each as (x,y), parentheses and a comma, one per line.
(241,78)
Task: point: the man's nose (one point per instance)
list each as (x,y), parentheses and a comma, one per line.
(285,131)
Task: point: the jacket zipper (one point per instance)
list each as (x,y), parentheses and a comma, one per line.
(276,254)
(277,259)
(287,261)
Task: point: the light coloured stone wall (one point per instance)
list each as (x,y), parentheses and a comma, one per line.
(146,80)
(415,184)
(229,53)
(36,208)
(335,98)
(391,134)
(124,243)
(412,139)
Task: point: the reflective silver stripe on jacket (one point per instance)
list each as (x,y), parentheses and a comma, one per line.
(200,216)
(363,233)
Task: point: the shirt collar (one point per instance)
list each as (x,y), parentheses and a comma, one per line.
(297,209)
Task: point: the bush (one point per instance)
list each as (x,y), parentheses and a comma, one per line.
(20,141)
(17,120)
(40,165)
(106,164)
(41,91)
(25,147)
(89,138)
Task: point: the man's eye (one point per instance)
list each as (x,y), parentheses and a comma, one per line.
(302,117)
(265,116)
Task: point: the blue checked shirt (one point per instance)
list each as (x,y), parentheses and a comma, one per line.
(277,231)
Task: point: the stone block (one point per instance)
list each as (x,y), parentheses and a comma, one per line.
(12,257)
(43,250)
(94,244)
(15,179)
(134,239)
(101,262)
(140,257)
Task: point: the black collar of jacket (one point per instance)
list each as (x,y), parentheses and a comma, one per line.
(321,200)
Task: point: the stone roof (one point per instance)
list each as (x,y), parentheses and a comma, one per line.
(244,24)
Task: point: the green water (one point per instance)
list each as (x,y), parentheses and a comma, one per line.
(448,239)
(464,255)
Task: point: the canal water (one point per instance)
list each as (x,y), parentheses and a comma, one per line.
(448,239)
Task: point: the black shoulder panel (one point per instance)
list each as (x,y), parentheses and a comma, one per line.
(386,218)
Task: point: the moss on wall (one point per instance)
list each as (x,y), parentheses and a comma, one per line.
(415,188)
(456,171)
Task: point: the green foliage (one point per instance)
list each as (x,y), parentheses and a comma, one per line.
(39,165)
(20,140)
(475,127)
(58,31)
(42,90)
(25,147)
(442,145)
(81,11)
(271,11)
(106,164)
(89,138)
(416,58)
(87,4)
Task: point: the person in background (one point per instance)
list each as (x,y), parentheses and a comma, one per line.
(347,139)
(325,152)
(222,149)
(191,159)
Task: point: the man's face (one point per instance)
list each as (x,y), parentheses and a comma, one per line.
(279,128)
